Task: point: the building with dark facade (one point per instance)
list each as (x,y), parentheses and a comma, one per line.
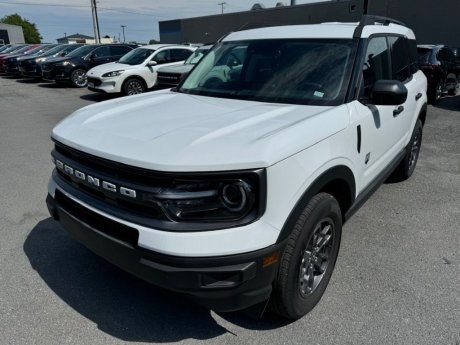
(433,22)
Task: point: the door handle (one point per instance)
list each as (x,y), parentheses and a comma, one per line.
(398,111)
(418,96)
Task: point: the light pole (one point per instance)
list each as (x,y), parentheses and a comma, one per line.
(97,35)
(123,27)
(222,4)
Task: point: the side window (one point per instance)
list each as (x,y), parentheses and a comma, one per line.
(161,57)
(400,60)
(101,52)
(449,55)
(120,50)
(413,53)
(180,54)
(376,64)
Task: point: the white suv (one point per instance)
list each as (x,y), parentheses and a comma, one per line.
(233,190)
(136,72)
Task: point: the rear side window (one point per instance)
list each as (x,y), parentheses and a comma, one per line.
(424,55)
(179,54)
(377,63)
(400,61)
(120,50)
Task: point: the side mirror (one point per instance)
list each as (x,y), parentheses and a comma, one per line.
(152,63)
(63,54)
(388,92)
(91,57)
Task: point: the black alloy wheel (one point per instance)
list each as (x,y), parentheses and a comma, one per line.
(308,259)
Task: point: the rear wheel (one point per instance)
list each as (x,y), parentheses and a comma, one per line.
(78,78)
(133,86)
(435,93)
(406,168)
(309,258)
(453,90)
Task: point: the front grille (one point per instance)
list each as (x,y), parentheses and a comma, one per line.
(76,173)
(47,67)
(112,173)
(107,226)
(95,81)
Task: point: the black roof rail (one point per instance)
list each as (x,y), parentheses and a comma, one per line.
(368,19)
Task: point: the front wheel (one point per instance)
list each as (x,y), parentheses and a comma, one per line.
(78,78)
(308,258)
(133,86)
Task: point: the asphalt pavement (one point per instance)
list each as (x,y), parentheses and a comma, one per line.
(397,278)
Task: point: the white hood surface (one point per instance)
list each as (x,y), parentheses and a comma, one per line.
(98,71)
(170,131)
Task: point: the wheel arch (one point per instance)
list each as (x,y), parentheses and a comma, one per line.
(422,114)
(339,181)
(134,76)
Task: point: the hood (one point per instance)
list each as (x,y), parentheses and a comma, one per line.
(179,69)
(170,131)
(62,59)
(110,67)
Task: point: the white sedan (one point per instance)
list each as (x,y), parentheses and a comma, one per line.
(136,71)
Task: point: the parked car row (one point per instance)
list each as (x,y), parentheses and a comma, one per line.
(107,68)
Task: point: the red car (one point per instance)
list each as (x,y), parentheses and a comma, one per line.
(21,51)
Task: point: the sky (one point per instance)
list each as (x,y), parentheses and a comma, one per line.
(55,18)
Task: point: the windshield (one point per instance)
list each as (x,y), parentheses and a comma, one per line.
(82,51)
(196,56)
(35,50)
(53,50)
(424,55)
(295,71)
(20,50)
(136,56)
(4,48)
(12,49)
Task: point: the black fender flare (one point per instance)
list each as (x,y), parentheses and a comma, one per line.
(340,172)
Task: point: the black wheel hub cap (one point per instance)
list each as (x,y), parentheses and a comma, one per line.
(315,258)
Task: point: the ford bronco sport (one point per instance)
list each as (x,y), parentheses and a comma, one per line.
(233,187)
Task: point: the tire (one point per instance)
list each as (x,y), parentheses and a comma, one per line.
(78,78)
(133,86)
(407,166)
(453,91)
(435,92)
(308,256)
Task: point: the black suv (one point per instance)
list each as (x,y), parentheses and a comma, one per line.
(32,66)
(12,63)
(441,69)
(74,66)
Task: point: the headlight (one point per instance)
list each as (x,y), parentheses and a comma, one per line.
(112,74)
(67,63)
(229,201)
(38,60)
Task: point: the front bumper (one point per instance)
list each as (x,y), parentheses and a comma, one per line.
(56,73)
(222,283)
(104,85)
